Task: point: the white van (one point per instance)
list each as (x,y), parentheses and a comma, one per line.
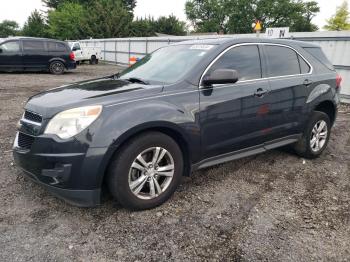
(84,53)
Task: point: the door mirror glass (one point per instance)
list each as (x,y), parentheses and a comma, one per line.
(221,76)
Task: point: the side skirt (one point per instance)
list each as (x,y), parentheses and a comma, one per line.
(212,161)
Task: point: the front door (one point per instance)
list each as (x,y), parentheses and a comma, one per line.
(235,116)
(10,55)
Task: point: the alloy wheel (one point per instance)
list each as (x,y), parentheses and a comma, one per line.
(319,136)
(151,173)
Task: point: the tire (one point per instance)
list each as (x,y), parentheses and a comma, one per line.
(93,60)
(57,68)
(305,147)
(131,184)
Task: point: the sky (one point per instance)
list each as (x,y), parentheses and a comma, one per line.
(19,10)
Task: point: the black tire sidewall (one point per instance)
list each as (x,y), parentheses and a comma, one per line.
(316,116)
(54,72)
(118,181)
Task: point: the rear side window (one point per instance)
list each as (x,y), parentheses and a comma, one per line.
(29,45)
(10,47)
(282,61)
(56,47)
(244,59)
(320,56)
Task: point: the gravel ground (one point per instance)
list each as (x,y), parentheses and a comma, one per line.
(275,206)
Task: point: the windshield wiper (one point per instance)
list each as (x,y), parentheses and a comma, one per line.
(137,80)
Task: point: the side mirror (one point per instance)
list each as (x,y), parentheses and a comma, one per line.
(221,76)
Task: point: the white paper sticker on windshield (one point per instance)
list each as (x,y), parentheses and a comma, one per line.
(201,47)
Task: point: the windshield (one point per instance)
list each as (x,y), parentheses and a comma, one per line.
(167,65)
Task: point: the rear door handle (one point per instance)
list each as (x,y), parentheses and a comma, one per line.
(260,92)
(307,82)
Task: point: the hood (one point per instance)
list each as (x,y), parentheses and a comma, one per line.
(102,91)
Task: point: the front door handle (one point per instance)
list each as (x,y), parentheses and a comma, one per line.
(307,82)
(260,92)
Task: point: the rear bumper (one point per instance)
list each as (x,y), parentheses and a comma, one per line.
(71,65)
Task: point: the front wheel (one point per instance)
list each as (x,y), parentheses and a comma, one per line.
(316,136)
(146,171)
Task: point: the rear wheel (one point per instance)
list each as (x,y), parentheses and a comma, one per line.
(57,68)
(146,171)
(316,136)
(93,60)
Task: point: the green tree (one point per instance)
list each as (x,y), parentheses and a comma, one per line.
(107,18)
(8,28)
(207,15)
(35,25)
(236,16)
(170,25)
(66,21)
(339,21)
(143,27)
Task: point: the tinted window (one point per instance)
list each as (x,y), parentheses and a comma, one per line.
(244,59)
(56,47)
(320,56)
(10,47)
(282,61)
(33,45)
(304,67)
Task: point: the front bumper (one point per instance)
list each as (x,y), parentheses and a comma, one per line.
(73,177)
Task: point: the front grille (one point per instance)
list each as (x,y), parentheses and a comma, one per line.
(25,141)
(32,117)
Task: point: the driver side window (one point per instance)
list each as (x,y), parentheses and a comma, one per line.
(10,47)
(244,59)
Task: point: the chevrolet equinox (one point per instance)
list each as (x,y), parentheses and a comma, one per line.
(181,108)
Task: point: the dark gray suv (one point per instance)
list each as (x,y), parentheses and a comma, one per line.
(184,107)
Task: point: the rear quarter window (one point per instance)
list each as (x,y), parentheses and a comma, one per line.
(317,53)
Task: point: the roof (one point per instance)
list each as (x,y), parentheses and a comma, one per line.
(29,38)
(237,40)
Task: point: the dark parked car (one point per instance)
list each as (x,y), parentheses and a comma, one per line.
(184,107)
(35,54)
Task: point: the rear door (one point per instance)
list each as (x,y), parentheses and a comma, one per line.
(11,55)
(289,75)
(35,54)
(233,116)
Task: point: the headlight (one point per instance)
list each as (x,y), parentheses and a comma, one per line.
(71,122)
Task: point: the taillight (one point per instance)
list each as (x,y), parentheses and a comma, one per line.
(71,56)
(338,81)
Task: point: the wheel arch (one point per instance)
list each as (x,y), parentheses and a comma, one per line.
(170,129)
(329,108)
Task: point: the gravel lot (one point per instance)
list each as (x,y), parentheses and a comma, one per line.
(275,206)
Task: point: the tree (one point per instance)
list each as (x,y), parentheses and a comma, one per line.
(143,27)
(339,21)
(35,25)
(236,16)
(107,18)
(207,15)
(170,25)
(66,21)
(8,28)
